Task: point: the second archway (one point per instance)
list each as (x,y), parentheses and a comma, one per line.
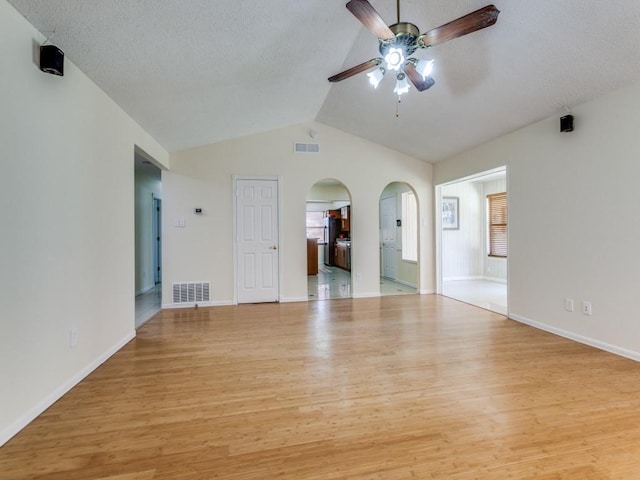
(329,219)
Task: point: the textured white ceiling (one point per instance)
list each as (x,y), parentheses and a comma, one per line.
(194,72)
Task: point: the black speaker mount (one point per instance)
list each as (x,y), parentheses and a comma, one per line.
(566,123)
(51,60)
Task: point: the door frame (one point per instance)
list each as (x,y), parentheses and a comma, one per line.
(438,223)
(157,239)
(278,180)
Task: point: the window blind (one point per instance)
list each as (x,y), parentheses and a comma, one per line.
(498,242)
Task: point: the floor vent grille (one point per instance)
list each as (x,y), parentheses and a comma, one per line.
(191,292)
(307,148)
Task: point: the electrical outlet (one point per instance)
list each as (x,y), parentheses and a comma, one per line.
(568,304)
(73,337)
(586,307)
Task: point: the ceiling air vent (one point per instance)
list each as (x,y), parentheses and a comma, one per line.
(191,292)
(307,148)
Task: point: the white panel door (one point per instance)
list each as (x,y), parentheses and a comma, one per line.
(388,230)
(257,241)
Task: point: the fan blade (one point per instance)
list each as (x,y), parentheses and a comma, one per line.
(368,16)
(420,83)
(363,67)
(482,18)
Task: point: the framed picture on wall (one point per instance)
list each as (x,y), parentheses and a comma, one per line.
(450,213)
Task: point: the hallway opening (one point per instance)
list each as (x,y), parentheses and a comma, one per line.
(473,242)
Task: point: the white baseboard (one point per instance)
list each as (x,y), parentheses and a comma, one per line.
(426,292)
(169,306)
(592,342)
(217,303)
(366,295)
(475,277)
(468,277)
(294,299)
(54,396)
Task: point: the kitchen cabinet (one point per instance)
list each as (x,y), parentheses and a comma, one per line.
(345,215)
(343,255)
(312,256)
(333,213)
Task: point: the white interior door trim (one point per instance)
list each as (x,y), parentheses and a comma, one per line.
(438,216)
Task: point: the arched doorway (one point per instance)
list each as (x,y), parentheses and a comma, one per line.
(399,267)
(328,217)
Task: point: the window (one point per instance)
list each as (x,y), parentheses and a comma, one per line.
(497,212)
(315,226)
(409,227)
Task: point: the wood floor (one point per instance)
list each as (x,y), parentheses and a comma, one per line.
(413,386)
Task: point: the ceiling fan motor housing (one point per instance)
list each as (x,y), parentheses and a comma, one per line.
(405,38)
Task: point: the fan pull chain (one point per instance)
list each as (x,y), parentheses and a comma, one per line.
(398,107)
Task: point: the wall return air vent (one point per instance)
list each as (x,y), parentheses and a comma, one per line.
(306,148)
(191,293)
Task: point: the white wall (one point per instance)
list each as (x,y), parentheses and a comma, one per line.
(67,216)
(147,187)
(494,268)
(203,177)
(328,192)
(573,221)
(462,249)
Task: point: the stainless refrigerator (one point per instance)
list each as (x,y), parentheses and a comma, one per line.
(332,228)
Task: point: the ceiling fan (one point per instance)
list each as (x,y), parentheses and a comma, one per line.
(400,40)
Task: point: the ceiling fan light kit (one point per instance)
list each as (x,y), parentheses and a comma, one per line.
(400,40)
(402,85)
(375,76)
(424,68)
(394,59)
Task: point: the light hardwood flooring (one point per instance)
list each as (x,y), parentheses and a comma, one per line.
(481,293)
(397,387)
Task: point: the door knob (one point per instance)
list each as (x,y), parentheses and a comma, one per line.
(273,248)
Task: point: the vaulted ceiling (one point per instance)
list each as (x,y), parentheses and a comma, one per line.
(194,72)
